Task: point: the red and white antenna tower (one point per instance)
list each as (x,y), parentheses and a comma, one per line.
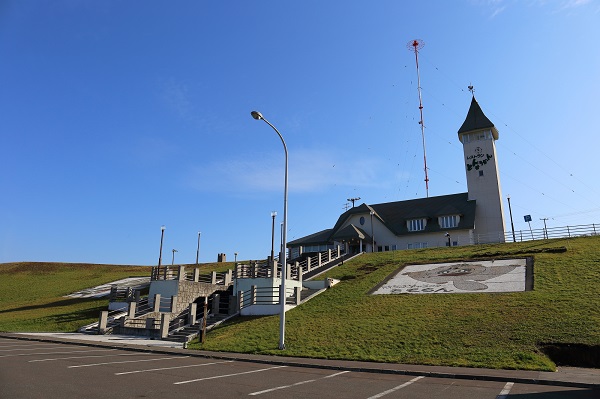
(416,45)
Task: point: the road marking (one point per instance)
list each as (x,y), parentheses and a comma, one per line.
(82,357)
(29,348)
(382,394)
(58,353)
(227,375)
(296,384)
(504,393)
(127,361)
(171,368)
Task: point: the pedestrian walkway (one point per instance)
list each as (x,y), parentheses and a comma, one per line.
(564,376)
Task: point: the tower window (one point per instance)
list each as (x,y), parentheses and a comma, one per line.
(481,173)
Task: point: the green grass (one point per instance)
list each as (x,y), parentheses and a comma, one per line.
(32,294)
(499,330)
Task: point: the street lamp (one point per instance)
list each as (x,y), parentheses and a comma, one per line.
(372,236)
(198,250)
(283,257)
(235,257)
(173,259)
(448,237)
(162,235)
(273,214)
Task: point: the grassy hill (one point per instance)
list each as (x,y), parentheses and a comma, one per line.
(32,294)
(500,330)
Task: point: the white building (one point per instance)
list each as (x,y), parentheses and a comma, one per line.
(457,219)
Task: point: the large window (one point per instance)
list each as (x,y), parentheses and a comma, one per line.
(416,224)
(416,245)
(447,222)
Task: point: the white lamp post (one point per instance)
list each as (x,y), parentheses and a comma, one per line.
(283,258)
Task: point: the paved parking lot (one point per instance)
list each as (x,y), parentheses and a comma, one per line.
(32,369)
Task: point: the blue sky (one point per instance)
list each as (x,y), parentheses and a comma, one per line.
(119,117)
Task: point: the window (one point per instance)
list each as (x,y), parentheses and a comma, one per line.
(394,247)
(386,248)
(484,135)
(481,173)
(416,224)
(379,249)
(417,245)
(447,222)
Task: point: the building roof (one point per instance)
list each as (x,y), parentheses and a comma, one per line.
(394,215)
(476,120)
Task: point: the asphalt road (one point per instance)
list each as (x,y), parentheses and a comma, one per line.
(31,369)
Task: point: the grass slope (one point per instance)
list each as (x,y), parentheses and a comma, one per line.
(32,294)
(500,330)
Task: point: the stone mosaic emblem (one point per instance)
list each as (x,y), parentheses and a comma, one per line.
(481,276)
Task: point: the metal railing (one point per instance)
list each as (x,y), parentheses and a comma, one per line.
(265,296)
(540,234)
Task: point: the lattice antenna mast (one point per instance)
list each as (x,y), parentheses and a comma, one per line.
(416,45)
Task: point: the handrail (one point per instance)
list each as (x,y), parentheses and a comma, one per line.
(540,234)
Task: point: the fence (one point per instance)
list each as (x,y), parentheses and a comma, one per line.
(541,234)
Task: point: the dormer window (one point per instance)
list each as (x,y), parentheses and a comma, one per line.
(448,222)
(416,224)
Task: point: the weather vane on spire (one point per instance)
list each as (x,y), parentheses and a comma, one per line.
(472,90)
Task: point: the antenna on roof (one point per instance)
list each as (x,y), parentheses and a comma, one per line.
(352,200)
(416,45)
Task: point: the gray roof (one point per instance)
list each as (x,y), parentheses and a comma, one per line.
(476,120)
(394,216)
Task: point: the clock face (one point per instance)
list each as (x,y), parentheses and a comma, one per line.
(478,159)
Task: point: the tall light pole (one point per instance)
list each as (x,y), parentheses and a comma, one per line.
(283,258)
(372,236)
(235,257)
(512,226)
(273,214)
(162,235)
(198,250)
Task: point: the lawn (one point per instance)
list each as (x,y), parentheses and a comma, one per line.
(500,330)
(33,294)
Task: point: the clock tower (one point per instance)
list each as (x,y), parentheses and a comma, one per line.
(478,136)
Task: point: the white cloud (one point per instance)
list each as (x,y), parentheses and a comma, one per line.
(309,171)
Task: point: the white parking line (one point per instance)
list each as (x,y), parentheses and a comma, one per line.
(171,368)
(504,393)
(29,348)
(382,394)
(296,384)
(227,375)
(127,361)
(57,353)
(82,357)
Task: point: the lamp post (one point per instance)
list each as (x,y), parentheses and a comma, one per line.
(372,236)
(283,258)
(235,257)
(512,226)
(448,237)
(162,235)
(198,250)
(273,214)
(173,259)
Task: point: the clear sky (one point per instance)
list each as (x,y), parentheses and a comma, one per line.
(117,117)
